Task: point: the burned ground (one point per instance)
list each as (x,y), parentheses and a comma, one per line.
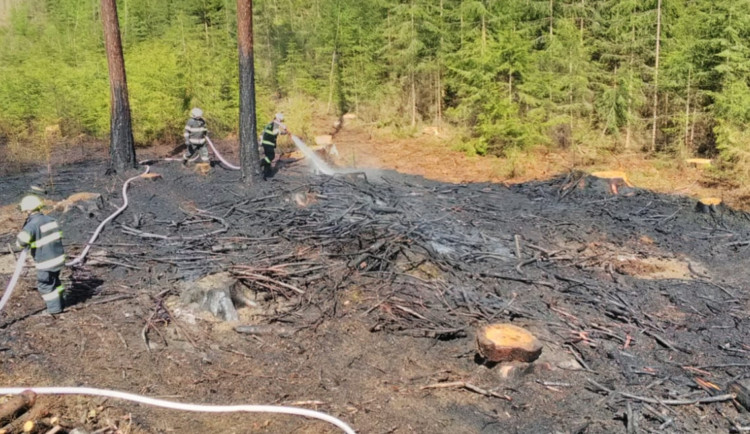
(369,287)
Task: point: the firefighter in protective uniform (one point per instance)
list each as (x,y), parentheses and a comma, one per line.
(195,136)
(42,234)
(268,140)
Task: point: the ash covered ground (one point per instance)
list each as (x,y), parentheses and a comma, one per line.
(366,291)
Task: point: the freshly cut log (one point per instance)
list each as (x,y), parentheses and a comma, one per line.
(506,342)
(707,204)
(29,426)
(203,168)
(151,176)
(608,181)
(742,392)
(613,174)
(614,178)
(16,405)
(698,162)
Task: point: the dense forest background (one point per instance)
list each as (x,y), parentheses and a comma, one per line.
(665,76)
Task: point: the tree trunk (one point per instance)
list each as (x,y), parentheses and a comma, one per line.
(484,33)
(331,83)
(692,125)
(413,74)
(413,100)
(551,16)
(249,158)
(629,134)
(121,145)
(656,75)
(687,112)
(439,94)
(510,86)
(583,14)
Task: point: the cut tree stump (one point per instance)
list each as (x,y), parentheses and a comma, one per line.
(90,203)
(29,426)
(614,179)
(16,405)
(742,392)
(608,181)
(698,162)
(151,176)
(506,342)
(324,140)
(707,205)
(203,168)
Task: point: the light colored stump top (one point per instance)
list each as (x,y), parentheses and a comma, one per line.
(613,174)
(507,342)
(710,201)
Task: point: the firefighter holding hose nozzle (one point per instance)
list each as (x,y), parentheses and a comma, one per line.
(268,140)
(195,137)
(42,235)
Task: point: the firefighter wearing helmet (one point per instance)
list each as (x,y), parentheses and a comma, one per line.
(42,235)
(270,134)
(195,137)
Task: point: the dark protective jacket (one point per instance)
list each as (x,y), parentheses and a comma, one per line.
(271,133)
(42,234)
(195,131)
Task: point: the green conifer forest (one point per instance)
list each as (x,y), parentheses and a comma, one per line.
(657,76)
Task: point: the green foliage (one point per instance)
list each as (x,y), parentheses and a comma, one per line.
(511,75)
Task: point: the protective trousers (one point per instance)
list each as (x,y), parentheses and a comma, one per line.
(200,148)
(270,154)
(51,288)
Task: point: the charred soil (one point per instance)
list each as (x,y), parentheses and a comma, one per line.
(366,290)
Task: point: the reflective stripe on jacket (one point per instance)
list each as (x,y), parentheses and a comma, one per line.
(195,131)
(271,133)
(43,236)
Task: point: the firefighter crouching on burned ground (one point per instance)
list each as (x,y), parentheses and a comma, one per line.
(195,137)
(42,234)
(268,140)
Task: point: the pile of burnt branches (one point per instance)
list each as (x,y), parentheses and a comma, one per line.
(434,260)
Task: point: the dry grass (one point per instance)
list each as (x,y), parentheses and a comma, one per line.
(436,157)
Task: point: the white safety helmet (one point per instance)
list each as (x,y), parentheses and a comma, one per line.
(31,203)
(280,117)
(196,112)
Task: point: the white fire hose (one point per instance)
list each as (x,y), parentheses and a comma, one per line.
(119,211)
(180,406)
(226,163)
(22,257)
(143,399)
(13,280)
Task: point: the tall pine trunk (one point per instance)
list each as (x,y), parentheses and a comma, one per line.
(656,75)
(551,16)
(439,84)
(413,74)
(249,158)
(331,83)
(629,133)
(687,113)
(121,144)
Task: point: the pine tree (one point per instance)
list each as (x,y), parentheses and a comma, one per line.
(122,146)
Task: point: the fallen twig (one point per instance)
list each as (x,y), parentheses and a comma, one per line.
(467,386)
(704,400)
